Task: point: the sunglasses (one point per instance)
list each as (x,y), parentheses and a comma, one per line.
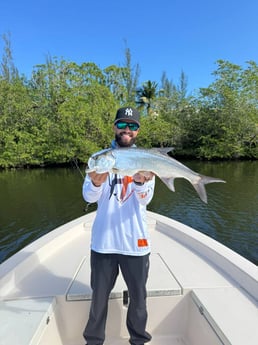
(133,126)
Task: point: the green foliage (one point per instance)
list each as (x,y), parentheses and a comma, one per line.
(146,94)
(230,112)
(122,81)
(155,132)
(65,111)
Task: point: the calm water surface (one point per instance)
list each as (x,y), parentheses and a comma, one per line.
(33,202)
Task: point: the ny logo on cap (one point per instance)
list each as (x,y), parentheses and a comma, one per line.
(129,111)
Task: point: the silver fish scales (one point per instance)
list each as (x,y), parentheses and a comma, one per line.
(129,161)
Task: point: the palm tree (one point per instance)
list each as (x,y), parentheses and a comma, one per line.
(146,95)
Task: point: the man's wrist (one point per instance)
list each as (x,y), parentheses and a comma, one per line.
(138,183)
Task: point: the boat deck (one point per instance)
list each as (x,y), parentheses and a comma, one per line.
(189,287)
(159,340)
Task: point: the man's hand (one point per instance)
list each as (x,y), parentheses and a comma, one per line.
(98,179)
(143,176)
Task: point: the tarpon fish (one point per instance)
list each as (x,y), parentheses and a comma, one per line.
(129,161)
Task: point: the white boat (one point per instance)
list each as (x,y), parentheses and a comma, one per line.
(199,291)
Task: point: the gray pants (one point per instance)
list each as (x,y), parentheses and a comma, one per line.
(104,271)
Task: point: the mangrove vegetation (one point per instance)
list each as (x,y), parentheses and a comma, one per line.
(64,111)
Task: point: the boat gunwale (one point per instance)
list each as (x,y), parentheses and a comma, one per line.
(241,270)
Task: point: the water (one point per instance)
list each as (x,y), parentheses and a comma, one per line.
(33,202)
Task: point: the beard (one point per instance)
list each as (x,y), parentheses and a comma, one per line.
(124,143)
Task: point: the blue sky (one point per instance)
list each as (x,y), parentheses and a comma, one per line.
(164,35)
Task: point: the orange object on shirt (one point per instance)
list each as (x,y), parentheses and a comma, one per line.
(142,242)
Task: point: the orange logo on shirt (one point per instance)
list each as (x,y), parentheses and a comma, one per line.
(142,242)
(126,180)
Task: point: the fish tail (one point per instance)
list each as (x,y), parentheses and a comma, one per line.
(199,186)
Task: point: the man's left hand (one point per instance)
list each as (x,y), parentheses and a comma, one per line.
(143,176)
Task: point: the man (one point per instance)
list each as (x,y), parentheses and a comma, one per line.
(119,237)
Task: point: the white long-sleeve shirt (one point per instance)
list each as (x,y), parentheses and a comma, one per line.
(120,225)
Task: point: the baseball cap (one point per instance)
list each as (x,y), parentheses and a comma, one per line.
(128,113)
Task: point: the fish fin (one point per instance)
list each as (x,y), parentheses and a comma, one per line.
(201,191)
(163,150)
(169,182)
(200,186)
